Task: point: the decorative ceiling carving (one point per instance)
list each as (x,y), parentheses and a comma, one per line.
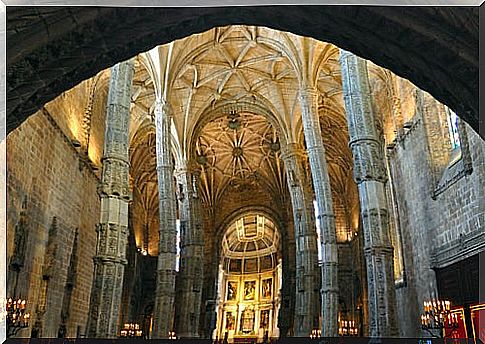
(256,72)
(236,150)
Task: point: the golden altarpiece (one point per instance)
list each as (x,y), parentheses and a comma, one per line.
(249,281)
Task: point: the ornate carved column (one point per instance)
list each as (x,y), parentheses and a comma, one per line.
(167,249)
(326,216)
(211,274)
(115,194)
(307,278)
(370,175)
(190,277)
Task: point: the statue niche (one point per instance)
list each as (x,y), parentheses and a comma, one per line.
(247,321)
(20,241)
(17,260)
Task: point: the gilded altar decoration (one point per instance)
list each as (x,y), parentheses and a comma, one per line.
(264,320)
(247,320)
(230,319)
(249,290)
(231,291)
(250,265)
(266,288)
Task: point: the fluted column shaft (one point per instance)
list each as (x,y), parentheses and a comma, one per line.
(167,249)
(307,274)
(190,278)
(370,175)
(326,216)
(115,194)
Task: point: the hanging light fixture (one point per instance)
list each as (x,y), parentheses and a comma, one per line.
(233,120)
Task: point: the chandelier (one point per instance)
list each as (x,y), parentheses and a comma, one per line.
(17,319)
(131,330)
(347,328)
(234,122)
(437,316)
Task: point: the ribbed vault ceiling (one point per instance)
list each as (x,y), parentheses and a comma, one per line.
(231,67)
(237,150)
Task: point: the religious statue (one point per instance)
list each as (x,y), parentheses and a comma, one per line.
(231,291)
(20,242)
(247,320)
(264,321)
(266,288)
(249,290)
(229,321)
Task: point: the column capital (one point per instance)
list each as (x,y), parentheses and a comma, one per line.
(188,166)
(308,91)
(292,150)
(162,106)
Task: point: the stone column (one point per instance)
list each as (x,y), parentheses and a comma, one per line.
(326,217)
(190,277)
(307,275)
(211,274)
(115,195)
(370,175)
(167,249)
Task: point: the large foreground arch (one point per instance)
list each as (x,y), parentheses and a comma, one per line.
(51,49)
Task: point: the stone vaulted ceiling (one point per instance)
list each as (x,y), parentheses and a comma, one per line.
(234,96)
(237,150)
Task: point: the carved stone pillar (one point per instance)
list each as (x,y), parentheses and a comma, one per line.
(326,217)
(307,275)
(190,277)
(167,249)
(211,274)
(115,194)
(370,175)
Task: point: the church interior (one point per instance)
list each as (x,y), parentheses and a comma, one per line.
(244,184)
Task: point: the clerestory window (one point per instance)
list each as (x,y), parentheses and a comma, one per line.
(453,119)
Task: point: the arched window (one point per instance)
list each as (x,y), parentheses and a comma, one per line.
(452,119)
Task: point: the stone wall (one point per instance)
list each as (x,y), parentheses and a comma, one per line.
(438,204)
(47,180)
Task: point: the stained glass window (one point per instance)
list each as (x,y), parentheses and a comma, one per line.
(453,129)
